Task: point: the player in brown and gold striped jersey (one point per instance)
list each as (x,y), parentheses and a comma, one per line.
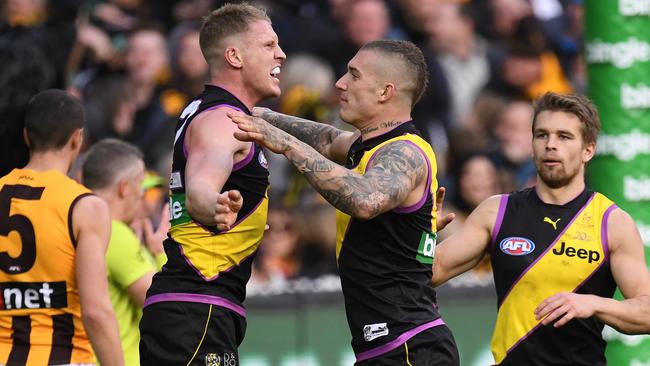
(53,238)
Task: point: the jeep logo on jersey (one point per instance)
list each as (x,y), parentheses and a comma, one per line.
(515,245)
(581,253)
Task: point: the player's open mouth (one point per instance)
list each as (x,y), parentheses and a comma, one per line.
(275,71)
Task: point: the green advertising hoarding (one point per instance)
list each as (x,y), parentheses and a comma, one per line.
(310,329)
(617,52)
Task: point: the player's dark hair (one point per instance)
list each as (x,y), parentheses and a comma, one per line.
(412,56)
(51,118)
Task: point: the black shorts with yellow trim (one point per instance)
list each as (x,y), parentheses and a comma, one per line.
(188,333)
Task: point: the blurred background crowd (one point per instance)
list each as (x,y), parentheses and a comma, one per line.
(136,63)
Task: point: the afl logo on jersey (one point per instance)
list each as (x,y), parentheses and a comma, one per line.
(262,159)
(515,245)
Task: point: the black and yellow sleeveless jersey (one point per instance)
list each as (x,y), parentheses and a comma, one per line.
(205,264)
(385,263)
(40,313)
(538,250)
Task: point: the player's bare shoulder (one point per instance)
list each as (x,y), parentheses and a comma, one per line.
(487,212)
(211,129)
(622,230)
(90,213)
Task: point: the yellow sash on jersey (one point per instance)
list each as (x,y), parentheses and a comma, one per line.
(558,269)
(343,219)
(211,254)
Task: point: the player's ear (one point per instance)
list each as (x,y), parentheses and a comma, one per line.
(233,57)
(122,187)
(387,92)
(26,138)
(588,151)
(77,139)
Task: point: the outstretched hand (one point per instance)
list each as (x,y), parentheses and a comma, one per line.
(442,222)
(258,130)
(227,207)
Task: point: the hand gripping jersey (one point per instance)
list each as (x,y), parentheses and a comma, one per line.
(385,263)
(40,313)
(538,250)
(204,264)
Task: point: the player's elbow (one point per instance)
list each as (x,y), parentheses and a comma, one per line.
(197,211)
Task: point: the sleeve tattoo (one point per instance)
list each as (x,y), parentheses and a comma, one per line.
(315,134)
(396,170)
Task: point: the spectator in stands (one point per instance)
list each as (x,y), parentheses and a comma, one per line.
(477,180)
(514,157)
(277,260)
(190,71)
(140,107)
(25,71)
(365,21)
(307,92)
(462,54)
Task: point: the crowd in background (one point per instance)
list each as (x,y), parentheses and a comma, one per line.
(135,64)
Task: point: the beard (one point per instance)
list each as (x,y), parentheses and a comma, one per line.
(556,178)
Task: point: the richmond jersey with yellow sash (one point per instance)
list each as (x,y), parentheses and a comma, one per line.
(541,249)
(385,262)
(205,264)
(40,313)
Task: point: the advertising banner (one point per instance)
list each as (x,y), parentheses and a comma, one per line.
(617,53)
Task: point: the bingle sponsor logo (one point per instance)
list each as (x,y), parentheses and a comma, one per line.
(635,97)
(636,190)
(621,54)
(631,8)
(625,147)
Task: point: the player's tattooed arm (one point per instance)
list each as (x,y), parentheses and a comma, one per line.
(397,169)
(322,137)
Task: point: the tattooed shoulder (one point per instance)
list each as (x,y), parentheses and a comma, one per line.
(402,157)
